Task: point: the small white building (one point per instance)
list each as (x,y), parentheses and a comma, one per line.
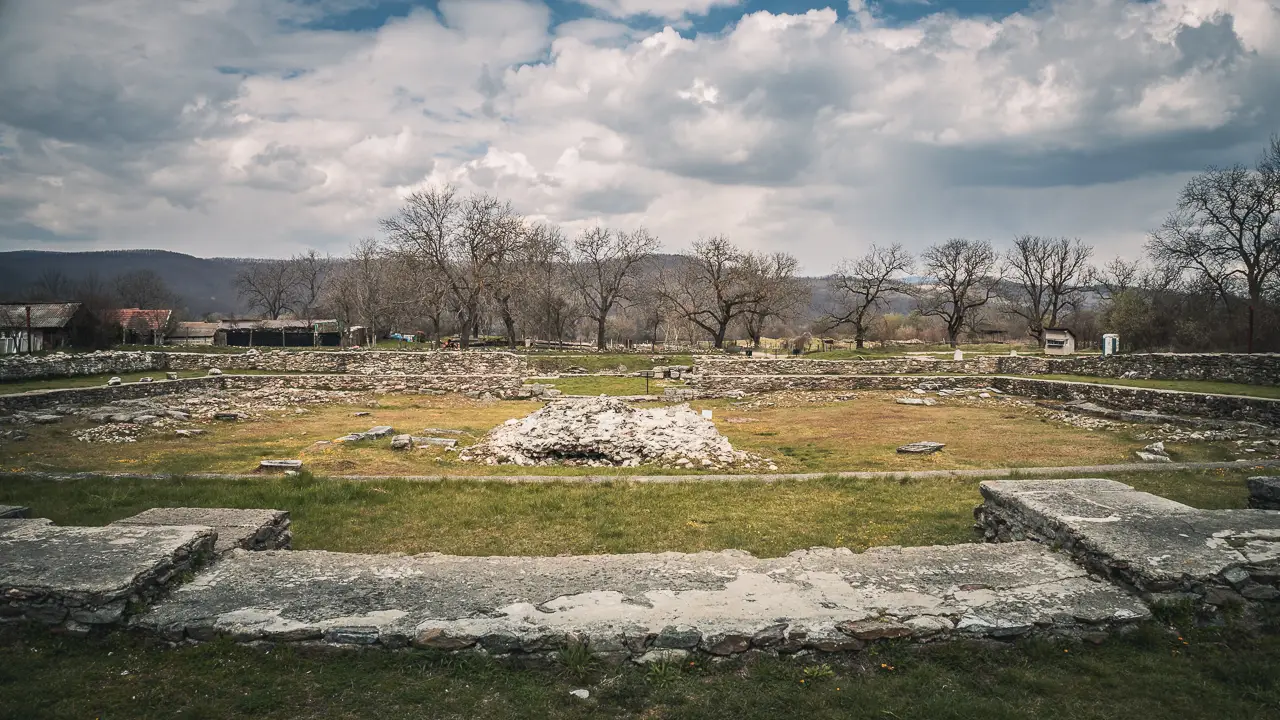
(1059,341)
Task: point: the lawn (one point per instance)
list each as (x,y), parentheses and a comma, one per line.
(799,435)
(81,381)
(461,518)
(606,385)
(1198,386)
(1152,674)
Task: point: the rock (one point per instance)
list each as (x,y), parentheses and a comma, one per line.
(171,376)
(667,656)
(215,371)
(45,419)
(401,442)
(580,693)
(280,465)
(362,413)
(728,644)
(925,447)
(1264,493)
(379,431)
(114,381)
(874,629)
(226,415)
(678,636)
(426,441)
(144,380)
(189,432)
(1151,457)
(916,401)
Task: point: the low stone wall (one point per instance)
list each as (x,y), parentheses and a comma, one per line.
(55,365)
(502,386)
(1171,402)
(1258,369)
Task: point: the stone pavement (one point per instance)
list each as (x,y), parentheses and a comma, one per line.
(1160,548)
(631,606)
(248,529)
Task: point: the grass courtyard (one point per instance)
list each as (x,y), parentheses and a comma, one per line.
(798,434)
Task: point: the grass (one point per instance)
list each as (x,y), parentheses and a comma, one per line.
(606,385)
(461,518)
(798,435)
(81,381)
(1197,386)
(1150,674)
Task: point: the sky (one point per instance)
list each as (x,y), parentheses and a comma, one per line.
(265,127)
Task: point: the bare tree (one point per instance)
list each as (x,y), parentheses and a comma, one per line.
(310,269)
(963,276)
(1117,278)
(710,286)
(861,288)
(143,289)
(462,239)
(50,284)
(779,294)
(552,305)
(602,265)
(1048,275)
(268,286)
(1226,231)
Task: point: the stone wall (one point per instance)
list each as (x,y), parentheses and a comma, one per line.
(1258,369)
(1171,402)
(503,386)
(54,365)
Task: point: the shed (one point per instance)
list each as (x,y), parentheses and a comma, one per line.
(1059,341)
(31,327)
(193,333)
(140,327)
(279,333)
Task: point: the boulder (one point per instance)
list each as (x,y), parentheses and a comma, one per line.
(925,447)
(114,381)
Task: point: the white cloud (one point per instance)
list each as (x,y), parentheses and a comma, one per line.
(230,127)
(668,9)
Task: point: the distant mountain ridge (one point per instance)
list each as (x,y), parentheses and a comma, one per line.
(204,284)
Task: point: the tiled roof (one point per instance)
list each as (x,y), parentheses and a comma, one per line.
(139,319)
(43,315)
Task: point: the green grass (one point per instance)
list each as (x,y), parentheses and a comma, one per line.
(553,362)
(605,385)
(1198,386)
(81,381)
(1149,674)
(466,518)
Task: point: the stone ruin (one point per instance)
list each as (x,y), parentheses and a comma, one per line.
(607,432)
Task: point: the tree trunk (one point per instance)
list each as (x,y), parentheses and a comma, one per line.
(720,333)
(600,323)
(858,340)
(510,324)
(464,337)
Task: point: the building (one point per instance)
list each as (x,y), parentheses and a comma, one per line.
(140,327)
(1059,341)
(278,333)
(32,327)
(193,333)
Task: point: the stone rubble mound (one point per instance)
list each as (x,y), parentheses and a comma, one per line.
(607,432)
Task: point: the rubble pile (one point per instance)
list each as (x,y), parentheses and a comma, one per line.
(607,432)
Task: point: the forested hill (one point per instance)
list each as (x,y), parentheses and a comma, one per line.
(204,284)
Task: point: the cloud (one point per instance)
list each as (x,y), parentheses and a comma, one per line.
(226,127)
(667,9)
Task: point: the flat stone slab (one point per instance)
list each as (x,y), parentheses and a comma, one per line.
(248,529)
(921,448)
(628,605)
(14,511)
(419,441)
(88,575)
(280,465)
(915,401)
(1148,542)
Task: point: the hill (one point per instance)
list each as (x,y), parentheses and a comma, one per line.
(205,284)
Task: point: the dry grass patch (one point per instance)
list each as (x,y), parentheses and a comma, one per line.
(799,436)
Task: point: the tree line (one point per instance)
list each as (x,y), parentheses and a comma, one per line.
(463,265)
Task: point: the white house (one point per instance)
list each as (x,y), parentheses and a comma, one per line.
(1059,341)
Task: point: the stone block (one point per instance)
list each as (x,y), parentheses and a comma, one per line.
(925,447)
(93,574)
(643,605)
(254,529)
(280,465)
(1264,492)
(14,511)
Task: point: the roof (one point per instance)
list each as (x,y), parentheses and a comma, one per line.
(43,315)
(290,324)
(139,319)
(1060,330)
(195,329)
